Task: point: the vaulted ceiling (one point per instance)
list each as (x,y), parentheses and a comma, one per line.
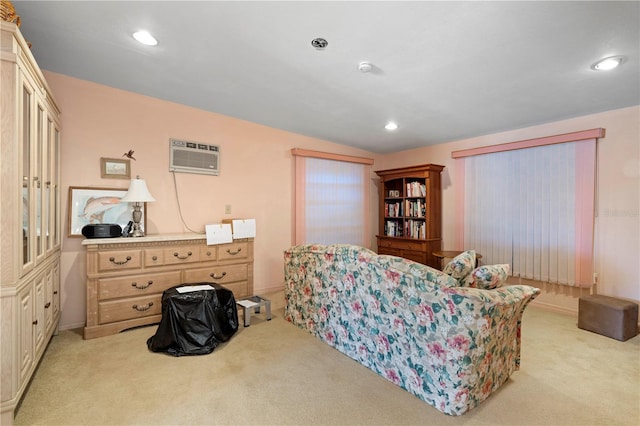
(442,71)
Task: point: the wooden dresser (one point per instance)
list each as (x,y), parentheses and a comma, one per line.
(126,276)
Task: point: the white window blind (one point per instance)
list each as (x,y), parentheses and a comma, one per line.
(531,204)
(332,199)
(520,210)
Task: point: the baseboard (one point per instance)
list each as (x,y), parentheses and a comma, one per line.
(554,308)
(71,326)
(272,289)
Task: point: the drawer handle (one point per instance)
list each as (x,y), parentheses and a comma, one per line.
(215,277)
(182,257)
(135,284)
(119,262)
(143,308)
(154,258)
(47,305)
(233,253)
(55,292)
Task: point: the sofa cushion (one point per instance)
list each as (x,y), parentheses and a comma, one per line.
(461,265)
(487,276)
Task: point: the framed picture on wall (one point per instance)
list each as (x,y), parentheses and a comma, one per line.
(93,205)
(115,168)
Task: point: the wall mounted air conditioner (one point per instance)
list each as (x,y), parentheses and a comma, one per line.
(194,157)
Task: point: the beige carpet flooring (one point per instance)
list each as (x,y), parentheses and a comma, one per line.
(273,373)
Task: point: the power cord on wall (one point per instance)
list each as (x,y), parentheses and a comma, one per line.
(175,188)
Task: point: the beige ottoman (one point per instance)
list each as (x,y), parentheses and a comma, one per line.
(608,316)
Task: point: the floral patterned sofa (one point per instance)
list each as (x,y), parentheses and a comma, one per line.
(449,345)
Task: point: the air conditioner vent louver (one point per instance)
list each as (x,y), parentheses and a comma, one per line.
(194,157)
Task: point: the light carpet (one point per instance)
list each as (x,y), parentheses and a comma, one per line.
(273,373)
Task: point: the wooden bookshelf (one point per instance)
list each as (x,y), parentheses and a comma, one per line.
(410,219)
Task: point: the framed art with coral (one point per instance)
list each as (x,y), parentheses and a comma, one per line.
(92,205)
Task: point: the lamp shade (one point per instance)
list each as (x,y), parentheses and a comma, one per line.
(137,192)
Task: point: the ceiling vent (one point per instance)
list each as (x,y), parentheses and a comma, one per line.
(194,157)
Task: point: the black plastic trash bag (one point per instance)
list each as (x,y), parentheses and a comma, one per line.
(195,323)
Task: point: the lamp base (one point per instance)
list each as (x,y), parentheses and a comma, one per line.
(136,231)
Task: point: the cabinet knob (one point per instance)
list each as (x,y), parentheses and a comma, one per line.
(35,322)
(47,305)
(154,258)
(217,277)
(208,253)
(55,292)
(182,257)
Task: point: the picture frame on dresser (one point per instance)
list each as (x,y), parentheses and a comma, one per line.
(97,205)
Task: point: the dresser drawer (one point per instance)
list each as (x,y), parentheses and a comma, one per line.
(416,256)
(208,253)
(119,260)
(239,289)
(137,285)
(126,309)
(233,251)
(217,274)
(153,257)
(388,250)
(181,255)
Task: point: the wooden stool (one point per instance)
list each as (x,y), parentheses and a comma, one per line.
(608,316)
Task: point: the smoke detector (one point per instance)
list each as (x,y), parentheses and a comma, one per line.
(364,67)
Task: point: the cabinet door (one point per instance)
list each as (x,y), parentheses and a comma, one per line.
(54,178)
(39,322)
(25,134)
(25,329)
(41,208)
(56,290)
(48,300)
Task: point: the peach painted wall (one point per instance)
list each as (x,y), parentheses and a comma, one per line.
(256,173)
(257,180)
(617,237)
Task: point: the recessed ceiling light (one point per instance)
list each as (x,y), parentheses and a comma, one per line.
(391,126)
(145,38)
(319,43)
(608,63)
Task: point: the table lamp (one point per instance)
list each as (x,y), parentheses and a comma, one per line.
(137,194)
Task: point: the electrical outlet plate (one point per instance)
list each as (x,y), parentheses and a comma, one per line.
(227,209)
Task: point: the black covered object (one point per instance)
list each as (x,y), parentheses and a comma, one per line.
(195,323)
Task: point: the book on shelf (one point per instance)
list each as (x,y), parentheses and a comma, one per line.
(393,209)
(416,189)
(416,229)
(393,228)
(415,208)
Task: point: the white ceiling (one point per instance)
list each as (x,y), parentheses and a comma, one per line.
(442,70)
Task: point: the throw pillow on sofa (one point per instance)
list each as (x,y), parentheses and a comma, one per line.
(461,266)
(488,276)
